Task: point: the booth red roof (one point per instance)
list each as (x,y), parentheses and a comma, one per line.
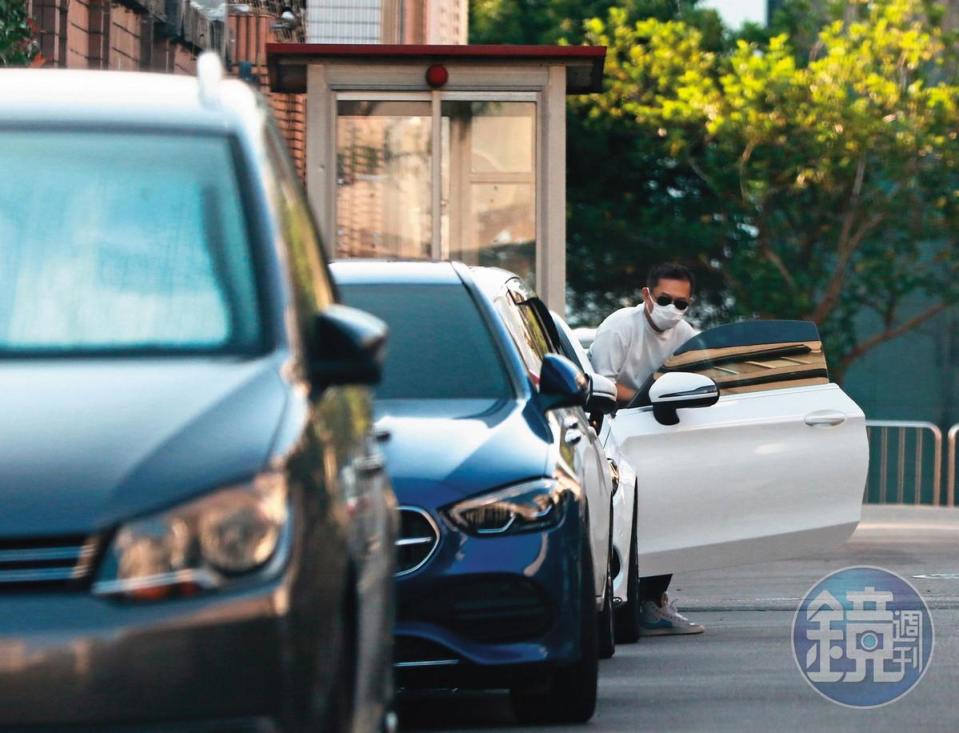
(287,61)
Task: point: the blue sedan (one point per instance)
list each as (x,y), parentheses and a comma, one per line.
(504,574)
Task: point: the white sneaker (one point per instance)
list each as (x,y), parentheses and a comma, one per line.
(663,619)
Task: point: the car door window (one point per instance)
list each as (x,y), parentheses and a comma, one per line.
(531,345)
(538,333)
(750,356)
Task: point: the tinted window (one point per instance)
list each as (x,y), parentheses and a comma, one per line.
(123,243)
(754,356)
(439,345)
(527,332)
(751,356)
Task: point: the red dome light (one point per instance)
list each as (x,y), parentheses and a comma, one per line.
(437,75)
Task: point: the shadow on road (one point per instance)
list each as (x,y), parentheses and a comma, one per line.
(456,710)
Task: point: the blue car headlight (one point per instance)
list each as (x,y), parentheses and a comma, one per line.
(201,545)
(527,507)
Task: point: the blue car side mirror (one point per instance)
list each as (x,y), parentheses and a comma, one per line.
(562,383)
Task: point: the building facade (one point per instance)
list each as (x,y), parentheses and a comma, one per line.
(440,22)
(168,35)
(147,35)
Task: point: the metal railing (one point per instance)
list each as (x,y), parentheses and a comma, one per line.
(951,464)
(906,463)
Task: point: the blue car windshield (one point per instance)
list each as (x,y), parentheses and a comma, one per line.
(123,243)
(439,345)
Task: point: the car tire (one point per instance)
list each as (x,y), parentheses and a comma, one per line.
(628,615)
(570,696)
(605,621)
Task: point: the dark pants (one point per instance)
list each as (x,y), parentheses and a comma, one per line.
(652,588)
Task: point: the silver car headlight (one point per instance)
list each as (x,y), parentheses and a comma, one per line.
(527,507)
(201,545)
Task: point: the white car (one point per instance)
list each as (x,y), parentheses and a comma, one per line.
(744,451)
(585,336)
(625,488)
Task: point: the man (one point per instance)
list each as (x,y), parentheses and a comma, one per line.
(629,346)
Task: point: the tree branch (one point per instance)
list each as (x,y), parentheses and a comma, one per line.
(734,283)
(717,191)
(847,248)
(889,333)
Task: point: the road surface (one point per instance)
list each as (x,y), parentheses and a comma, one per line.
(740,675)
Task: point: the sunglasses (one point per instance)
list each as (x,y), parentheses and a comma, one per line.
(664,300)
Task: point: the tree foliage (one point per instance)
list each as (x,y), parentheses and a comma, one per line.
(808,168)
(832,171)
(16,34)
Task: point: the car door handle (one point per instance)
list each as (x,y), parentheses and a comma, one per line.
(573,436)
(825,418)
(571,423)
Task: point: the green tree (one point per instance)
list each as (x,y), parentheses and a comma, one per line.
(16,34)
(830,171)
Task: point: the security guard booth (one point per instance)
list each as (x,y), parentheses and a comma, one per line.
(441,152)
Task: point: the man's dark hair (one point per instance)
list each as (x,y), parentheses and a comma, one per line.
(670,271)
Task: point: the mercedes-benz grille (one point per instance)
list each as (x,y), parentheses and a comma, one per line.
(419,537)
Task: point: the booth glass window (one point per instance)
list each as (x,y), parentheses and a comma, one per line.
(489,184)
(474,200)
(383,174)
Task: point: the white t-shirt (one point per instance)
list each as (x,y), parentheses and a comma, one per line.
(627,349)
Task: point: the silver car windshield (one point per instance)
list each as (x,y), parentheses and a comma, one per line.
(123,242)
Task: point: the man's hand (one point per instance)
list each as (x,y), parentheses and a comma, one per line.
(624,395)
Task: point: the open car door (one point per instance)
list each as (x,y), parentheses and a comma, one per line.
(775,468)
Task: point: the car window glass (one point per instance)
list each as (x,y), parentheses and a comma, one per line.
(752,356)
(537,333)
(530,351)
(123,244)
(439,345)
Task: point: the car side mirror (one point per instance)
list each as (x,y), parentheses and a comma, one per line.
(562,383)
(602,395)
(675,390)
(349,347)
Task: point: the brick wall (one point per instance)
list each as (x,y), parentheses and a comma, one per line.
(250,34)
(125,48)
(78,24)
(290,113)
(102,34)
